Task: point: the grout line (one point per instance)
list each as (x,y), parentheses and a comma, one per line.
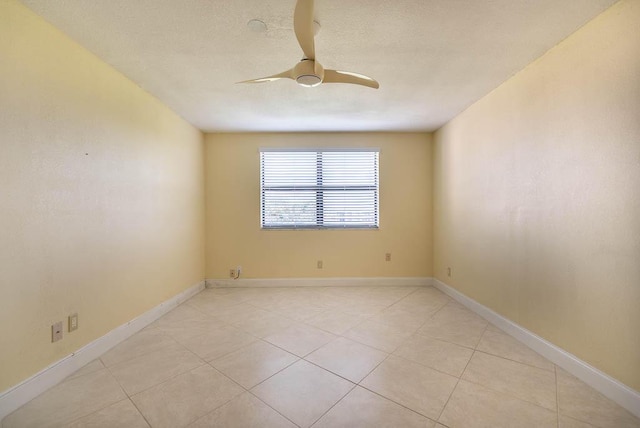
(455,387)
(271,407)
(395,402)
(508,394)
(99,410)
(359,384)
(486,327)
(461,374)
(226,402)
(330,371)
(424,365)
(514,361)
(144,353)
(140,412)
(279,371)
(355,384)
(334,404)
(160,383)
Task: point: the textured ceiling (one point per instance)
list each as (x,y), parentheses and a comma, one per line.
(433,58)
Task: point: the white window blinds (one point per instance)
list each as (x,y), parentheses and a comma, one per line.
(318,188)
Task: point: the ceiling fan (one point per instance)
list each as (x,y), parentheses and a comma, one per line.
(309,72)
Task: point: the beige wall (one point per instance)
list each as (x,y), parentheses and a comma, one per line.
(233,219)
(537,196)
(102,203)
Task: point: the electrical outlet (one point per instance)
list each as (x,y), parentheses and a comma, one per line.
(56,331)
(232,273)
(73,322)
(319,264)
(387,257)
(449,272)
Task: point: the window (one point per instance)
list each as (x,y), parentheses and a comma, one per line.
(318,188)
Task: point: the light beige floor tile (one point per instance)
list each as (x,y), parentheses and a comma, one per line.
(302,392)
(121,414)
(225,310)
(92,367)
(428,294)
(474,406)
(520,380)
(185,398)
(347,358)
(443,356)
(335,321)
(361,308)
(418,311)
(68,401)
(455,324)
(377,335)
(395,293)
(244,411)
(264,323)
(423,302)
(567,422)
(153,368)
(300,339)
(299,312)
(236,313)
(322,300)
(400,318)
(362,408)
(218,342)
(141,343)
(183,312)
(251,365)
(579,401)
(186,329)
(412,385)
(454,309)
(495,329)
(505,346)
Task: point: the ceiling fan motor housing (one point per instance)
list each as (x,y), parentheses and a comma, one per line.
(308,73)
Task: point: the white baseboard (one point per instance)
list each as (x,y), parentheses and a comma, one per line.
(29,389)
(321,282)
(605,384)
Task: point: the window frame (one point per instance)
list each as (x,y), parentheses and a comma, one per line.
(319,188)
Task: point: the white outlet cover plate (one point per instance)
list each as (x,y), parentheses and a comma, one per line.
(56,331)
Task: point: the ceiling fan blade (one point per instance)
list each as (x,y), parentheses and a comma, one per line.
(335,76)
(303,27)
(284,75)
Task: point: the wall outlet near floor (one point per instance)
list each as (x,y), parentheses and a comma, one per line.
(56,332)
(232,273)
(73,322)
(319,264)
(449,272)
(387,257)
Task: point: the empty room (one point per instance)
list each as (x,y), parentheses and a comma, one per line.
(418,213)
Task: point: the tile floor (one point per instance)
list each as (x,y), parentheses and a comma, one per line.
(321,357)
